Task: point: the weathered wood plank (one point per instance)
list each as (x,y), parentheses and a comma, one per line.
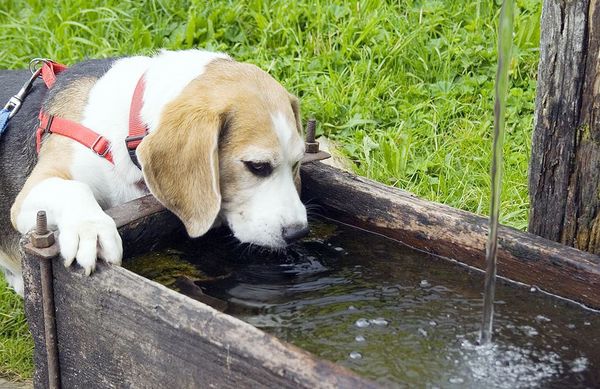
(117,329)
(564,177)
(452,233)
(145,224)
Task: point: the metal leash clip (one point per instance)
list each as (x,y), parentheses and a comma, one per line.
(14,103)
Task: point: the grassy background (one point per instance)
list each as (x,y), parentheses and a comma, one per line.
(404,87)
(16,345)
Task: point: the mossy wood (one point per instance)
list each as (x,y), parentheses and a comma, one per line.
(564,179)
(117,329)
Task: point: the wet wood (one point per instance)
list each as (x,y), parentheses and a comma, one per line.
(144,224)
(117,329)
(452,233)
(564,179)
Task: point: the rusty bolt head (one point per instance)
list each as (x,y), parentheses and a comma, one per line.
(41,241)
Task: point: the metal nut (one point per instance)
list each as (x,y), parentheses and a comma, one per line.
(312,147)
(41,241)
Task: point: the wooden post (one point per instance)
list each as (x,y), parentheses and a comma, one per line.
(564,176)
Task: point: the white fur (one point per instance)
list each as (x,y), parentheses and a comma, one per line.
(261,212)
(75,206)
(85,230)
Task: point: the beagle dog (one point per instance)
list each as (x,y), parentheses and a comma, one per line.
(223,145)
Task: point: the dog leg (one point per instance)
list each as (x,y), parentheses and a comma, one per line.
(15,281)
(85,231)
(10,264)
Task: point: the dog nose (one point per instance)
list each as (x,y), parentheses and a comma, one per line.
(294,232)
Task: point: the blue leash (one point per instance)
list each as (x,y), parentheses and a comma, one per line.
(4,116)
(14,103)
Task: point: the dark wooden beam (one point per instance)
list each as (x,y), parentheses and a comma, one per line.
(452,233)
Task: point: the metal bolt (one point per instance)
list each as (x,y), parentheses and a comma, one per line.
(311,127)
(41,223)
(41,237)
(312,146)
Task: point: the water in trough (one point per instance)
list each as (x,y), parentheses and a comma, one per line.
(390,313)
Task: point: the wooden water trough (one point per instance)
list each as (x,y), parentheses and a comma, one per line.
(118,329)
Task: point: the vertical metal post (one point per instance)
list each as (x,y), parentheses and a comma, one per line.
(50,323)
(42,246)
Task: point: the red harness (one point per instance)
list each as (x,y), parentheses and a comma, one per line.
(101,146)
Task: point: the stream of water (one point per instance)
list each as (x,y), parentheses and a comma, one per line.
(505,36)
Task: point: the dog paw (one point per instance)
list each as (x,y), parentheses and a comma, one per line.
(86,238)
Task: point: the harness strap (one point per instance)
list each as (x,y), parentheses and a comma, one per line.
(54,125)
(49,71)
(99,144)
(137,129)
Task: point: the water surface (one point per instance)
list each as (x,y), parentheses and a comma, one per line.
(387,312)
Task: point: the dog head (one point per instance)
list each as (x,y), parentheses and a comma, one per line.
(229,146)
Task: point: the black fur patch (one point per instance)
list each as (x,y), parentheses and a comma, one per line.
(17,144)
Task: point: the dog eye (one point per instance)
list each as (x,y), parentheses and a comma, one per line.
(261,169)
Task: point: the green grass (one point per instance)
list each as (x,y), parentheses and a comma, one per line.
(16,344)
(404,87)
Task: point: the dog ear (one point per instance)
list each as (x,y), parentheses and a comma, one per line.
(181,166)
(296,109)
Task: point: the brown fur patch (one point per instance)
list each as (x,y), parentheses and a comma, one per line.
(189,156)
(54,159)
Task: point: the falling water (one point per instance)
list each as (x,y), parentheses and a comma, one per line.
(505,32)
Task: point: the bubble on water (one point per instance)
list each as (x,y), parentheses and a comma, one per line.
(355,355)
(359,338)
(432,323)
(571,326)
(508,366)
(587,323)
(529,330)
(362,323)
(380,321)
(542,319)
(352,308)
(579,365)
(456,380)
(422,332)
(533,289)
(424,284)
(338,249)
